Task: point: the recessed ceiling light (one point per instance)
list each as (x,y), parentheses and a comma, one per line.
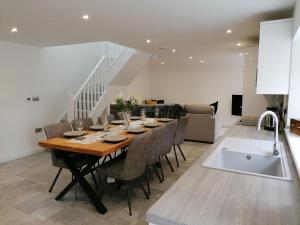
(201,61)
(14,30)
(173,50)
(162,63)
(246,53)
(229,31)
(241,54)
(191,57)
(238,44)
(148,41)
(85,17)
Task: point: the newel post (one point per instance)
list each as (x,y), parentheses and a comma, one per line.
(71,107)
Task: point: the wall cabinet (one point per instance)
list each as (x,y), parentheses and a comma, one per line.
(274,57)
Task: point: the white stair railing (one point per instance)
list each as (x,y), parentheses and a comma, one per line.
(83,103)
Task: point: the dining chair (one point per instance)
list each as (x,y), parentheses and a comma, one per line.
(121,115)
(81,160)
(179,136)
(152,155)
(130,168)
(87,122)
(110,117)
(166,144)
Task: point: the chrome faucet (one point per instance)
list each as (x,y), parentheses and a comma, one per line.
(275,118)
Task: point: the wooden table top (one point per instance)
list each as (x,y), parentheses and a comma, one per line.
(99,148)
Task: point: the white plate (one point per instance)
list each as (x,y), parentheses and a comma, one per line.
(165,119)
(115,138)
(97,127)
(151,124)
(74,133)
(136,130)
(135,117)
(117,122)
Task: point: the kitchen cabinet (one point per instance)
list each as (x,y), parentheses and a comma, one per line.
(274,57)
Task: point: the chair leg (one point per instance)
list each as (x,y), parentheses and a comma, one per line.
(94,178)
(144,190)
(168,161)
(110,157)
(157,174)
(176,156)
(161,169)
(75,193)
(147,179)
(128,198)
(181,153)
(102,184)
(55,179)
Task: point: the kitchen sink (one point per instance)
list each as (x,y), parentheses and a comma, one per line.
(249,156)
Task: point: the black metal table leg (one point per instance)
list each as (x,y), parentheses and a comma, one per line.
(79,177)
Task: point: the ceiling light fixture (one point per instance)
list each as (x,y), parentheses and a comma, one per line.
(148,41)
(238,44)
(14,30)
(173,50)
(241,54)
(85,17)
(201,61)
(162,63)
(191,57)
(228,31)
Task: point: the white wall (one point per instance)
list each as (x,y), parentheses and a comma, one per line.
(253,104)
(138,87)
(50,73)
(198,84)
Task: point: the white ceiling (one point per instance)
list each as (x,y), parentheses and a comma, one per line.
(193,27)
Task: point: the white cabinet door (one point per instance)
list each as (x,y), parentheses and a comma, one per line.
(274,58)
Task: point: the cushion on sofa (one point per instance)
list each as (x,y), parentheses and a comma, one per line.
(199,109)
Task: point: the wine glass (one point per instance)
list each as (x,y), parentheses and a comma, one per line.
(105,123)
(143,114)
(79,125)
(156,112)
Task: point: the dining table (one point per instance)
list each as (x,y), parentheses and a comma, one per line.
(93,144)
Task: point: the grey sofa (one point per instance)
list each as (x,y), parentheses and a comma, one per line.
(203,125)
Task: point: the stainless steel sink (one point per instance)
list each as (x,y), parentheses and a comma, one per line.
(249,156)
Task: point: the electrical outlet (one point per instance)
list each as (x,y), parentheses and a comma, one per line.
(35,98)
(38,130)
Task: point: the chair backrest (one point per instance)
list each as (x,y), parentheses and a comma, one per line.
(53,131)
(152,155)
(168,137)
(110,117)
(57,129)
(121,115)
(180,130)
(135,162)
(87,122)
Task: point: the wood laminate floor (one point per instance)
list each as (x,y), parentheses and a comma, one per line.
(24,196)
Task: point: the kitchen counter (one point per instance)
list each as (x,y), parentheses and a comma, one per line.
(215,197)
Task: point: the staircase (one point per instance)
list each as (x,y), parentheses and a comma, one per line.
(91,98)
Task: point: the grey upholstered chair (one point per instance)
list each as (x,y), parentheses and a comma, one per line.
(87,122)
(130,168)
(121,115)
(179,136)
(110,117)
(152,155)
(166,143)
(57,130)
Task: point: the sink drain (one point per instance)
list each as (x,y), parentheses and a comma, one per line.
(248,157)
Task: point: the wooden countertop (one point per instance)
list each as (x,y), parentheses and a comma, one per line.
(204,196)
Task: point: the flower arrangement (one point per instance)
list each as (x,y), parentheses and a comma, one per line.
(127,104)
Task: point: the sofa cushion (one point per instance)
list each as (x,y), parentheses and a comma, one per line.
(199,109)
